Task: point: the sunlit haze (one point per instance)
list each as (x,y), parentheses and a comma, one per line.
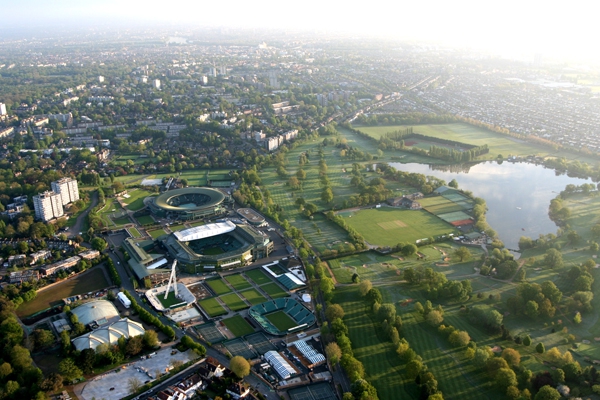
(508,28)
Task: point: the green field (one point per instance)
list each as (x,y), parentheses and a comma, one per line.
(465,133)
(145,220)
(121,221)
(258,276)
(233,301)
(273,290)
(136,198)
(389,226)
(218,286)
(176,228)
(238,282)
(195,177)
(212,307)
(170,301)
(91,281)
(238,326)
(157,233)
(253,296)
(134,232)
(194,224)
(281,320)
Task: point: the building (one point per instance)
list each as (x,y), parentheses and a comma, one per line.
(24,276)
(281,366)
(143,264)
(189,203)
(101,312)
(40,255)
(50,269)
(156,84)
(89,254)
(48,205)
(67,188)
(100,79)
(2,109)
(108,334)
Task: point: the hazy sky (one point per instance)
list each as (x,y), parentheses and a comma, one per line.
(504,26)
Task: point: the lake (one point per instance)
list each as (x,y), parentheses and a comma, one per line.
(517,194)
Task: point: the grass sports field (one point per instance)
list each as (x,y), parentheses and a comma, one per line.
(134,232)
(238,326)
(145,220)
(170,301)
(388,226)
(212,307)
(218,286)
(258,277)
(90,281)
(281,320)
(238,281)
(136,199)
(157,233)
(233,301)
(273,290)
(253,296)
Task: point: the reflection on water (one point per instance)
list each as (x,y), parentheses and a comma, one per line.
(517,194)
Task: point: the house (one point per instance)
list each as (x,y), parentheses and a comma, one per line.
(22,276)
(211,368)
(237,390)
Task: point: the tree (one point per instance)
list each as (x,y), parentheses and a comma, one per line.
(434,318)
(463,253)
(527,340)
(239,366)
(98,244)
(547,392)
(42,338)
(459,338)
(86,360)
(133,384)
(577,318)
(134,345)
(414,368)
(453,184)
(52,383)
(327,195)
(364,287)
(301,174)
(150,338)
(540,348)
(409,250)
(334,353)
(553,258)
(334,311)
(505,377)
(69,370)
(512,357)
(374,296)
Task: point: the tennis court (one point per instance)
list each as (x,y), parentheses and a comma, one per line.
(260,343)
(444,208)
(454,216)
(238,326)
(318,391)
(218,286)
(234,302)
(212,307)
(455,197)
(273,290)
(258,276)
(237,347)
(209,332)
(253,296)
(238,281)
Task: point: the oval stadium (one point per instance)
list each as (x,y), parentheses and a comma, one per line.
(282,316)
(188,203)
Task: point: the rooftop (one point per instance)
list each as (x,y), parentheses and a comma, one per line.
(204,231)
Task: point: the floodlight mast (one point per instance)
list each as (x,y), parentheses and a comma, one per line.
(172,278)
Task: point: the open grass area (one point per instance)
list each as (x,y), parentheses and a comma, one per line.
(171,300)
(212,307)
(281,320)
(388,226)
(136,198)
(465,133)
(134,232)
(218,286)
(73,218)
(238,281)
(238,326)
(145,220)
(121,221)
(273,290)
(90,281)
(233,301)
(258,276)
(157,233)
(176,228)
(195,177)
(253,296)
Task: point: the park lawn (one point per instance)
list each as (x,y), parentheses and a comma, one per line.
(145,220)
(389,226)
(238,281)
(273,290)
(134,232)
(233,301)
(212,307)
(157,233)
(136,198)
(238,326)
(218,286)
(258,276)
(281,320)
(91,281)
(170,301)
(253,296)
(367,265)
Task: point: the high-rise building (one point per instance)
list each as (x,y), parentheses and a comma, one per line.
(67,189)
(48,205)
(2,109)
(157,83)
(100,79)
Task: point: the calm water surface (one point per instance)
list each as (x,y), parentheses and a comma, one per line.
(517,195)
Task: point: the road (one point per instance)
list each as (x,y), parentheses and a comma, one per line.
(79,224)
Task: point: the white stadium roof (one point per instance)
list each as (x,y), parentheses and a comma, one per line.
(109,334)
(204,231)
(279,364)
(97,310)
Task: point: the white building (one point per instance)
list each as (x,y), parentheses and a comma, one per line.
(2,109)
(48,205)
(67,188)
(157,83)
(100,79)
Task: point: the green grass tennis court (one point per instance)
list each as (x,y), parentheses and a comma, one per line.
(390,226)
(238,281)
(233,301)
(281,320)
(253,296)
(145,220)
(258,276)
(273,290)
(157,233)
(238,326)
(218,286)
(134,232)
(170,301)
(212,307)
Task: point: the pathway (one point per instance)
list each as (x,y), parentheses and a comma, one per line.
(75,229)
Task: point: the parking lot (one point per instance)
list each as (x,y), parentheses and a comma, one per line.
(115,385)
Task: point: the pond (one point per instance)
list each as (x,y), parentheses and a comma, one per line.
(517,194)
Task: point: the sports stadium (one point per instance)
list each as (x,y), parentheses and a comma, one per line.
(222,244)
(282,316)
(188,203)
